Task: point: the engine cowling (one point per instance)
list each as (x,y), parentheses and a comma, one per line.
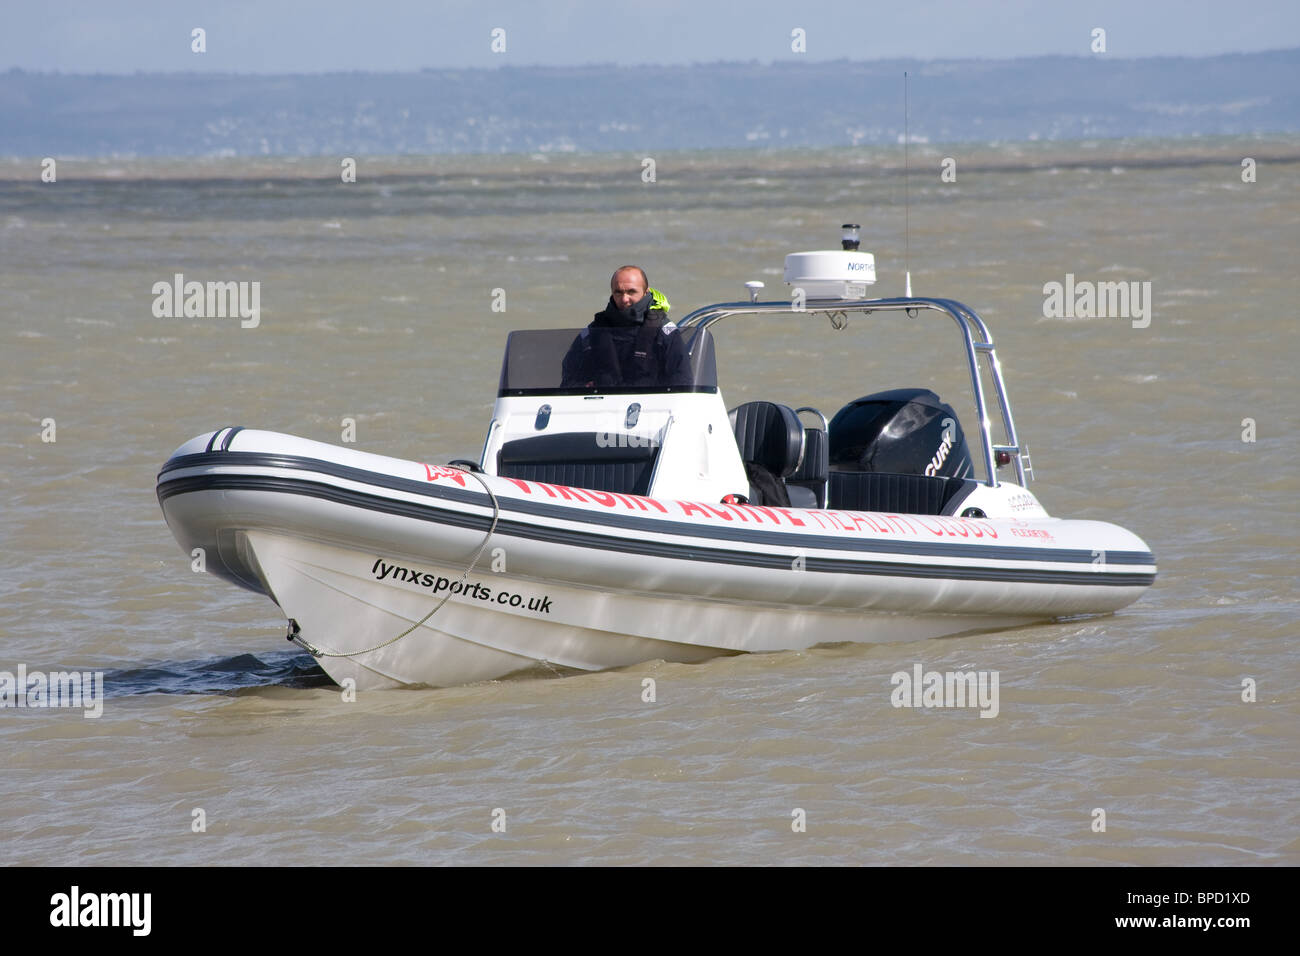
(905,431)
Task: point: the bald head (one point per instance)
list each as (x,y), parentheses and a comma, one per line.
(628,285)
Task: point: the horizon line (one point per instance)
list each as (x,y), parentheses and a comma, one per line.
(803,60)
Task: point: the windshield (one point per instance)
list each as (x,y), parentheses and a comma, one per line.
(608,361)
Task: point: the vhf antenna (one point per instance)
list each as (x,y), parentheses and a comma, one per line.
(907,272)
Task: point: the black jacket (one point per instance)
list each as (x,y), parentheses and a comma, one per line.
(628,348)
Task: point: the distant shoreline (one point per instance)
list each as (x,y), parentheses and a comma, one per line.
(874,161)
(651,110)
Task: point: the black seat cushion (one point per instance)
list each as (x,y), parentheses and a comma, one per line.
(901,494)
(579,460)
(807,485)
(770,435)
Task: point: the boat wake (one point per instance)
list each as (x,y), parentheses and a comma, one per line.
(218,675)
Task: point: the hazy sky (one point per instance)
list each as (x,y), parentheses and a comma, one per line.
(300,36)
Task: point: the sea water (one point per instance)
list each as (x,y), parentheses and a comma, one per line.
(1164,734)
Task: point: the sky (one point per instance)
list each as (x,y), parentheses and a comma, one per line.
(301,36)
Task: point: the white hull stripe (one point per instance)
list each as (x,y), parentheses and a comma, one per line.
(778,537)
(695,552)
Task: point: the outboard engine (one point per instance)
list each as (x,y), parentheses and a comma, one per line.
(904,431)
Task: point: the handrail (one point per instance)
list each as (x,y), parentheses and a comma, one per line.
(826,437)
(975,336)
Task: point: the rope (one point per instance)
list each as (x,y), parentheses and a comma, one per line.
(315,651)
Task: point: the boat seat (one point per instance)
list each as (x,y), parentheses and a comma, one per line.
(771,442)
(899,494)
(807,485)
(579,460)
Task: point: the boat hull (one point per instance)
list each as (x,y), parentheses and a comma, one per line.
(357,549)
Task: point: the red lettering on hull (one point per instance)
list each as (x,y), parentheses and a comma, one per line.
(434,472)
(858,522)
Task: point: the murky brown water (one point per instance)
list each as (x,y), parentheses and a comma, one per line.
(377,305)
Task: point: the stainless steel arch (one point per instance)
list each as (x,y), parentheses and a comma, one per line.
(975,337)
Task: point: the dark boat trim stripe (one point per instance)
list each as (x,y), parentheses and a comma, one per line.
(225,442)
(780,537)
(692,552)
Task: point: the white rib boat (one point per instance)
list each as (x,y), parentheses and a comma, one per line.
(610,524)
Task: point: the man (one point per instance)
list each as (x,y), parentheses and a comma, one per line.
(631,343)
